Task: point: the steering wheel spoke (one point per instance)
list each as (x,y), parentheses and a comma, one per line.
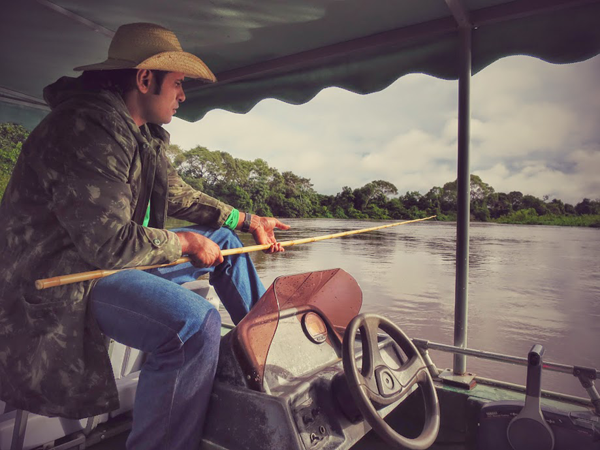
(369,384)
(378,384)
(410,373)
(371,357)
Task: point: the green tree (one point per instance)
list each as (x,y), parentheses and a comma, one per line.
(432,201)
(200,162)
(410,199)
(295,197)
(12,137)
(480,191)
(175,154)
(480,194)
(556,207)
(377,191)
(480,212)
(516,199)
(587,206)
(396,209)
(261,182)
(235,195)
(531,202)
(343,201)
(235,170)
(499,205)
(448,199)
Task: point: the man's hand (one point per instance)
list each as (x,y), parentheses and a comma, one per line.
(202,251)
(262,231)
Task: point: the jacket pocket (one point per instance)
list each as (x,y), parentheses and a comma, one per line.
(44,317)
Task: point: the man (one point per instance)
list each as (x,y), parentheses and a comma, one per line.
(92,189)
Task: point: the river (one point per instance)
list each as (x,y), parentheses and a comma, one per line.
(528,284)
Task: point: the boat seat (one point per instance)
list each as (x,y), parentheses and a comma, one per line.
(126,364)
(40,430)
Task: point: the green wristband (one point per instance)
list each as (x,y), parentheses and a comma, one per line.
(232,220)
(147,217)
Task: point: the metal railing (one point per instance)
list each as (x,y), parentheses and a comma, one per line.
(585,375)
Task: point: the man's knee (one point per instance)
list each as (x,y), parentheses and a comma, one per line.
(211,328)
(199,331)
(198,317)
(205,342)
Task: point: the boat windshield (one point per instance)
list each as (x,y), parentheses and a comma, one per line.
(332,294)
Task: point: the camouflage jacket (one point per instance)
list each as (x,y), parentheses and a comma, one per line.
(76,201)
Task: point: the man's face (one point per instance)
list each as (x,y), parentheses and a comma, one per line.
(160,108)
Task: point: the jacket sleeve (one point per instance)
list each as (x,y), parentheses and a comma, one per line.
(85,170)
(186,203)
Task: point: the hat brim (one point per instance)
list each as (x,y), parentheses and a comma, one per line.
(175,61)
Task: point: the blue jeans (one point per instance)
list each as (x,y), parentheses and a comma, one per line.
(180,332)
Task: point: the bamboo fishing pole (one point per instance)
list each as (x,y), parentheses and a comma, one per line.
(86,276)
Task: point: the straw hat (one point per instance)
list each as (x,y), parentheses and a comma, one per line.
(150,46)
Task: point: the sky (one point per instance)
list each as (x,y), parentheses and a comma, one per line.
(535,128)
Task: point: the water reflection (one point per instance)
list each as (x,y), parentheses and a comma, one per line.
(527,285)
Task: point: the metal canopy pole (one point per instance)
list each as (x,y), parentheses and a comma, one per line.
(463,201)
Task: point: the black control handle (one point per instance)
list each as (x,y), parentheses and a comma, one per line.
(534,370)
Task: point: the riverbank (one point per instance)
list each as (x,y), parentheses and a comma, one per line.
(523,218)
(530,217)
(518,218)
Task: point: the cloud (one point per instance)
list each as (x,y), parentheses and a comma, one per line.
(530,128)
(533,129)
(425,159)
(540,179)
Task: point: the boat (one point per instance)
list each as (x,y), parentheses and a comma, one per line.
(353,381)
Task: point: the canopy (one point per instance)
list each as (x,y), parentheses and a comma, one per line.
(288,50)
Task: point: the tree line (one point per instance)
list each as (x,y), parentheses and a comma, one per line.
(256,187)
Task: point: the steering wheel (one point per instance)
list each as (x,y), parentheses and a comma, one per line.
(377,384)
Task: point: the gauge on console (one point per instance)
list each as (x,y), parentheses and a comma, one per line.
(314,327)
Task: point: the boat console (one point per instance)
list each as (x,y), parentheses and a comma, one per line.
(291,372)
